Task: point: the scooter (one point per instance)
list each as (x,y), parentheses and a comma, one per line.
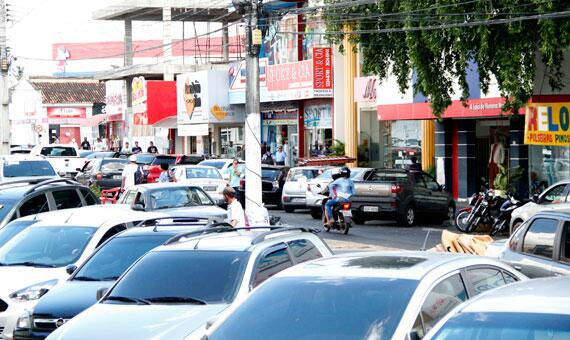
(342,217)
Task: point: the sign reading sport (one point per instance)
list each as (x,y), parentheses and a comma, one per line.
(547,124)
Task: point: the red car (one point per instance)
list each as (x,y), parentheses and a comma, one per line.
(152,170)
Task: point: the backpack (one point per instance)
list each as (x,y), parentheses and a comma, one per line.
(139,175)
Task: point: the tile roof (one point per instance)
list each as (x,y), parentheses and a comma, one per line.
(69,91)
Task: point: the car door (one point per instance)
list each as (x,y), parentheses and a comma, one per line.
(422,196)
(438,196)
(561,267)
(270,262)
(534,257)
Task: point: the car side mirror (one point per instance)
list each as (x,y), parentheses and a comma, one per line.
(535,198)
(70,269)
(138,207)
(100,293)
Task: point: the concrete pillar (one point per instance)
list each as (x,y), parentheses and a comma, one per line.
(466,166)
(350,126)
(518,152)
(128,43)
(167,42)
(428,144)
(443,153)
(225,42)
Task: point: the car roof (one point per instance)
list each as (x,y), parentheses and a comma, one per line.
(312,167)
(548,295)
(563,215)
(413,265)
(159,186)
(21,158)
(17,189)
(198,166)
(151,230)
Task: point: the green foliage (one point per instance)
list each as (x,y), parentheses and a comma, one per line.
(507,177)
(441,56)
(337,148)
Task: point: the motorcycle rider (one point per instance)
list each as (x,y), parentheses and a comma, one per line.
(340,191)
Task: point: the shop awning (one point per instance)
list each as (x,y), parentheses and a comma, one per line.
(98,119)
(333,160)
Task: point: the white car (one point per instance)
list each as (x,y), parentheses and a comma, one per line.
(555,197)
(316,186)
(176,289)
(48,251)
(295,187)
(223,165)
(206,177)
(65,159)
(24,167)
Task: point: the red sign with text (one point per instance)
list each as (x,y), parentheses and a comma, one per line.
(66,112)
(290,76)
(322,68)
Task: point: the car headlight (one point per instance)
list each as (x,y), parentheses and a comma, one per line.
(33,292)
(24,321)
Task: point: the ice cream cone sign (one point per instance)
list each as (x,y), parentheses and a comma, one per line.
(189,98)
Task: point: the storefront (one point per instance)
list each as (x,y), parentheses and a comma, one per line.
(318,120)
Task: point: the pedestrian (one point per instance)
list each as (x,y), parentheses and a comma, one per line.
(231,153)
(287,150)
(116,144)
(165,175)
(236,216)
(268,157)
(131,174)
(136,149)
(235,176)
(85,144)
(280,156)
(99,145)
(151,148)
(127,147)
(415,166)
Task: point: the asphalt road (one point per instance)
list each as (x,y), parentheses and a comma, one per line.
(374,235)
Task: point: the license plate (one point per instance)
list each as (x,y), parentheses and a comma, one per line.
(117,176)
(210,188)
(298,200)
(370,209)
(347,213)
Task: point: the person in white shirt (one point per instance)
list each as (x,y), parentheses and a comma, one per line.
(128,175)
(236,216)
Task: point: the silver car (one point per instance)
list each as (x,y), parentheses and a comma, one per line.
(295,187)
(384,295)
(531,310)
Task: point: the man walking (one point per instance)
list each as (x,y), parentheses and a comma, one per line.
(236,216)
(235,176)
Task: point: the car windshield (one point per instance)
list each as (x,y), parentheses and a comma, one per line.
(203,173)
(195,276)
(113,165)
(505,326)
(179,197)
(164,160)
(297,174)
(270,174)
(55,246)
(5,208)
(58,151)
(320,308)
(216,164)
(117,255)
(28,169)
(12,229)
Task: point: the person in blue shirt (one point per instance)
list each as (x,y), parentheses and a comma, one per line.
(340,190)
(165,175)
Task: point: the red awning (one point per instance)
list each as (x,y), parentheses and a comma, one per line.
(98,119)
(333,160)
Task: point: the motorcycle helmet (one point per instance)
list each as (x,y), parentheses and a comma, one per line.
(344,172)
(336,174)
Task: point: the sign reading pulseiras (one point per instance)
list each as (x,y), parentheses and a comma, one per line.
(547,124)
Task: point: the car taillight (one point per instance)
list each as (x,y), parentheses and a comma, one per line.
(396,189)
(99,176)
(346,206)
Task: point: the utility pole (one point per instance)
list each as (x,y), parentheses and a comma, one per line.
(253,190)
(4,99)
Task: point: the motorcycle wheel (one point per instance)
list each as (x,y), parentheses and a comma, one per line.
(462,222)
(347,226)
(497,228)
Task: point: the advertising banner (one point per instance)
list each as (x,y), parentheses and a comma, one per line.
(114,98)
(547,124)
(322,70)
(285,117)
(139,98)
(66,112)
(318,116)
(365,89)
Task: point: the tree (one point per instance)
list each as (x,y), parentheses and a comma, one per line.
(440,39)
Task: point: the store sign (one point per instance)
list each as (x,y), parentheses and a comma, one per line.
(288,117)
(139,99)
(66,112)
(547,124)
(365,89)
(114,103)
(322,70)
(318,116)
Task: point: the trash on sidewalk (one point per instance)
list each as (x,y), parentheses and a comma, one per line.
(463,243)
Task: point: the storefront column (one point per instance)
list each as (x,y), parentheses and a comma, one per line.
(443,153)
(301,131)
(466,167)
(519,154)
(428,144)
(350,126)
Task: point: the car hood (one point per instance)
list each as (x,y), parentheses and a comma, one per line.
(204,181)
(122,321)
(22,277)
(69,299)
(202,211)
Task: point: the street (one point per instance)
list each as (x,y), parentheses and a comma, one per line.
(374,235)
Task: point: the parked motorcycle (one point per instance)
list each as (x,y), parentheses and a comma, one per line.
(342,217)
(484,209)
(502,221)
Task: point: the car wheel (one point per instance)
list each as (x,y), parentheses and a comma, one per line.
(357,218)
(316,213)
(516,225)
(409,217)
(288,210)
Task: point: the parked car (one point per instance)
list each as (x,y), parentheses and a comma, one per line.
(172,197)
(17,168)
(316,186)
(535,309)
(193,159)
(30,197)
(156,299)
(222,164)
(401,195)
(64,158)
(106,173)
(539,247)
(85,153)
(295,187)
(384,295)
(103,154)
(206,177)
(100,271)
(151,165)
(272,182)
(555,197)
(39,257)
(15,227)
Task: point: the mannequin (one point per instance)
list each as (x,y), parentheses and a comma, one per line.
(496,156)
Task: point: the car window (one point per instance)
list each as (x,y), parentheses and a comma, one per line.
(170,160)
(34,205)
(565,244)
(67,198)
(271,264)
(483,279)
(28,169)
(12,229)
(129,197)
(216,164)
(203,173)
(58,151)
(418,180)
(387,176)
(431,184)
(296,175)
(113,165)
(539,238)
(554,195)
(167,198)
(441,300)
(111,232)
(88,196)
(140,199)
(304,250)
(509,278)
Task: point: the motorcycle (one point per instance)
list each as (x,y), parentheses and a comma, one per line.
(342,217)
(505,211)
(484,210)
